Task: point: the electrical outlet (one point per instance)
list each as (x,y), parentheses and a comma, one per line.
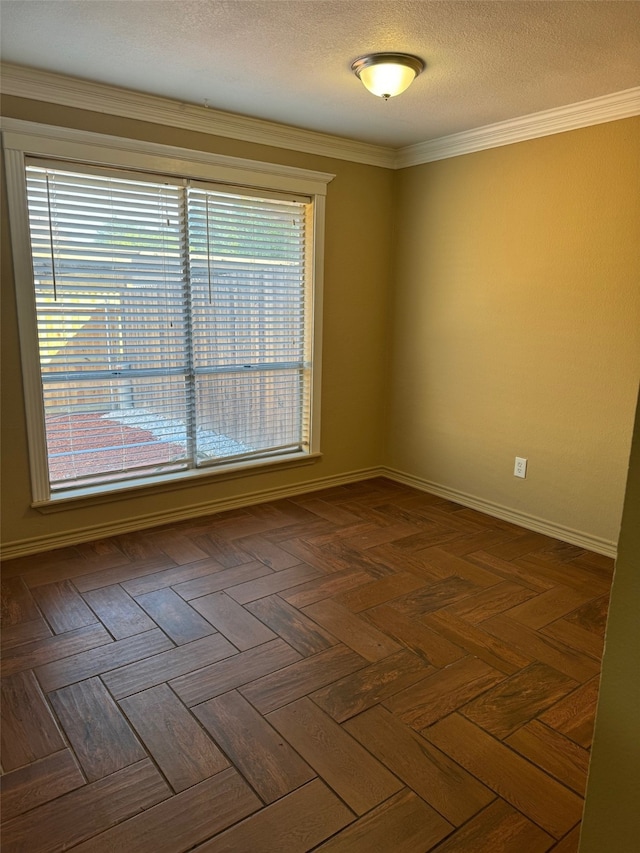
(520,469)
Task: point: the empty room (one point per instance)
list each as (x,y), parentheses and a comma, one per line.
(320,454)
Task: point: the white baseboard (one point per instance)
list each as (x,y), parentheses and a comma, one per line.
(25,547)
(522,519)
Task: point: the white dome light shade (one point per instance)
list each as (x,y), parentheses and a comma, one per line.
(387,74)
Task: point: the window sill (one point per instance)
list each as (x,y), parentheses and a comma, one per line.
(111,492)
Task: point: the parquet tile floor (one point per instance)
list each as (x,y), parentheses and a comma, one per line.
(368,668)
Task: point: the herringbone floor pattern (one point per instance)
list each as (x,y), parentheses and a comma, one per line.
(368,668)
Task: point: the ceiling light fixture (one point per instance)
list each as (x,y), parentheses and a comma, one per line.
(387,74)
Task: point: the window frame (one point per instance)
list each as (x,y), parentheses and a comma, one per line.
(22,139)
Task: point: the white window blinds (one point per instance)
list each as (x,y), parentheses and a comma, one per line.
(173,322)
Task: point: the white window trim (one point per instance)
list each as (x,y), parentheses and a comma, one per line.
(22,139)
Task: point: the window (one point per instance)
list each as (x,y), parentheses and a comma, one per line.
(173,319)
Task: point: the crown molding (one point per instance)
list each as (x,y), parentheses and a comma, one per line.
(38,85)
(612,107)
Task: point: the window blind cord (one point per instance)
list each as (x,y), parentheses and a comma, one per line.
(166,222)
(206,209)
(53,259)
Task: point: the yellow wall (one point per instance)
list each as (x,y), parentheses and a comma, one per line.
(516,327)
(510,316)
(357,270)
(612,808)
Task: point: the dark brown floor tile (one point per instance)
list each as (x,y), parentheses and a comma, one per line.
(522,545)
(16,601)
(171,577)
(352,630)
(554,753)
(38,783)
(545,649)
(58,674)
(282,512)
(296,823)
(227,554)
(524,575)
(217,581)
(433,596)
(518,699)
(384,638)
(299,530)
(327,537)
(238,528)
(563,551)
(217,678)
(180,548)
(403,560)
(36,562)
(449,516)
(86,811)
(267,552)
(381,591)
(100,736)
(591,616)
(574,715)
(576,637)
(403,824)
(292,625)
(238,625)
(470,542)
(478,606)
(460,567)
(179,823)
(488,521)
(316,590)
(179,746)
(569,574)
(28,730)
(475,640)
(102,553)
(548,606)
(501,828)
(50,649)
(329,511)
(118,574)
(284,686)
(57,569)
(357,778)
(24,632)
(176,618)
(382,536)
(118,611)
(275,582)
(443,692)
(570,843)
(442,783)
(137,548)
(358,691)
(167,665)
(591,560)
(332,556)
(416,636)
(434,532)
(267,762)
(543,800)
(63,606)
(314,554)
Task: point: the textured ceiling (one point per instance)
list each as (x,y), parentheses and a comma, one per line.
(289,61)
